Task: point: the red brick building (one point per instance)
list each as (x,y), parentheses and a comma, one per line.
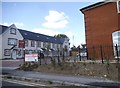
(101,20)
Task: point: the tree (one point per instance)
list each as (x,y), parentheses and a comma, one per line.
(74,48)
(61,36)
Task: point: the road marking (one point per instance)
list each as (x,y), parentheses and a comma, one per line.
(23,82)
(9,67)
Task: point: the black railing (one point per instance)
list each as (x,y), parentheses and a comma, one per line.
(103,53)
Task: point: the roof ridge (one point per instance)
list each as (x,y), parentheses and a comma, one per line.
(37,33)
(93,5)
(35,36)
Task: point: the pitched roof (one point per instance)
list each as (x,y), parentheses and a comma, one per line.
(3,29)
(35,36)
(94,6)
(40,37)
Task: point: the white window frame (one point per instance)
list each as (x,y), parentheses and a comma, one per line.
(13,31)
(6,52)
(118,6)
(12,41)
(26,43)
(38,43)
(32,43)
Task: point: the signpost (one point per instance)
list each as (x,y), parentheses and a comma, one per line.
(31,57)
(21,44)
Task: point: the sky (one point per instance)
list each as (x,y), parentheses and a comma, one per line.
(49,18)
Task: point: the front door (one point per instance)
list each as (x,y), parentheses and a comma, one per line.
(14,54)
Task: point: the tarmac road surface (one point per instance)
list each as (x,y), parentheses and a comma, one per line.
(92,81)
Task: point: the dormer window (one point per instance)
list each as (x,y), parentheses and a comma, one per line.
(13,31)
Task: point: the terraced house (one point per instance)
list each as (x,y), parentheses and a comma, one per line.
(16,42)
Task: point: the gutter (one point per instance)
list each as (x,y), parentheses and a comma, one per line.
(94,6)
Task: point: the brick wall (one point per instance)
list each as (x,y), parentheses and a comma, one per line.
(100,23)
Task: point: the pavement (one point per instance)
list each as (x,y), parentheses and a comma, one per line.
(12,63)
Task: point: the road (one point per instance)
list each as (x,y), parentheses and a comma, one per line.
(99,82)
(10,84)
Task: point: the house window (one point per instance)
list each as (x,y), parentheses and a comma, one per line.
(32,43)
(13,31)
(38,44)
(12,41)
(26,43)
(53,45)
(58,46)
(44,45)
(49,45)
(7,52)
(118,6)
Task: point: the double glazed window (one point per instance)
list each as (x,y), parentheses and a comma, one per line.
(118,5)
(53,45)
(26,43)
(44,45)
(7,52)
(12,41)
(38,44)
(13,31)
(32,43)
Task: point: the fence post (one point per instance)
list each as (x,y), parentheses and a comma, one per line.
(24,55)
(116,49)
(79,53)
(58,57)
(94,54)
(63,55)
(39,54)
(87,53)
(101,54)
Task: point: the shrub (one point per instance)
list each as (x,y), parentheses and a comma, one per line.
(28,66)
(53,62)
(50,82)
(84,64)
(9,77)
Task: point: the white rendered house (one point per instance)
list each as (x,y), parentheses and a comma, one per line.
(11,36)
